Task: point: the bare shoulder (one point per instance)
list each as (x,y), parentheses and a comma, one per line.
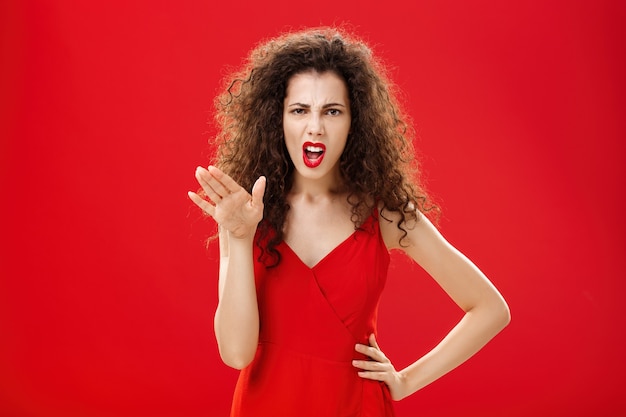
(388,221)
(393,233)
(413,236)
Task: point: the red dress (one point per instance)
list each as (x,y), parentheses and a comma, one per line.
(311,319)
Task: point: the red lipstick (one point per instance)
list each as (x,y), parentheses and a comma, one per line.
(313,154)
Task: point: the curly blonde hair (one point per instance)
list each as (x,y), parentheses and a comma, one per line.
(377,164)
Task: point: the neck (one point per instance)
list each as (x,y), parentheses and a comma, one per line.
(315,188)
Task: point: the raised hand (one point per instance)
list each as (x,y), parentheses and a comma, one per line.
(232,207)
(379,368)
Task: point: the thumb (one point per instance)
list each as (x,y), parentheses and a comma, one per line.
(258,191)
(373,341)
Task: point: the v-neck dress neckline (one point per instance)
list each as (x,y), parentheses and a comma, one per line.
(366,225)
(325,257)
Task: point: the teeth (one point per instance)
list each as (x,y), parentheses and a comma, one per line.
(314,149)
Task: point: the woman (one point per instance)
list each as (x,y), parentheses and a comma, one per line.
(311,127)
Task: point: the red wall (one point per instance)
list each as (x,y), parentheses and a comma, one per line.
(107,293)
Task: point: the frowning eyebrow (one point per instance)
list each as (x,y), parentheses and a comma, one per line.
(308,106)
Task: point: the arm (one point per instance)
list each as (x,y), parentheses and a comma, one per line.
(486,312)
(237,214)
(236,320)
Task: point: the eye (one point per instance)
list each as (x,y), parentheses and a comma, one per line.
(298,110)
(334,112)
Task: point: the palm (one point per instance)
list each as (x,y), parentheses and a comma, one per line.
(237,213)
(233,207)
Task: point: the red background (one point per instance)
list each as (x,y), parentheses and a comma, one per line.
(107,292)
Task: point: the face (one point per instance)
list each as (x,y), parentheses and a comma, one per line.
(316,122)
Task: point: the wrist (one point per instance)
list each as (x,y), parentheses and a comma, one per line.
(241,236)
(403,383)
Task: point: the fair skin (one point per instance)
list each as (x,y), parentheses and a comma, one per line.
(316,122)
(316,114)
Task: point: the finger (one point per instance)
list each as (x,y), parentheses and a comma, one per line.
(375,376)
(225,180)
(369,365)
(203,177)
(372,352)
(202,203)
(214,189)
(366,350)
(373,341)
(258,191)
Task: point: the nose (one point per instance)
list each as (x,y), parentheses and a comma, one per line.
(315,126)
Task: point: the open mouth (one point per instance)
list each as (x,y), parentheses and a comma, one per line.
(313,154)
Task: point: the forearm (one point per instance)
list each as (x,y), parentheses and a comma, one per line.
(237,315)
(475,329)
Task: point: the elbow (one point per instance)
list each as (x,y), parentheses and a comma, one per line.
(237,348)
(495,313)
(237,361)
(502,314)
(237,358)
(499,311)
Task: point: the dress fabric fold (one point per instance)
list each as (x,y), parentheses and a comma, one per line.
(310,321)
